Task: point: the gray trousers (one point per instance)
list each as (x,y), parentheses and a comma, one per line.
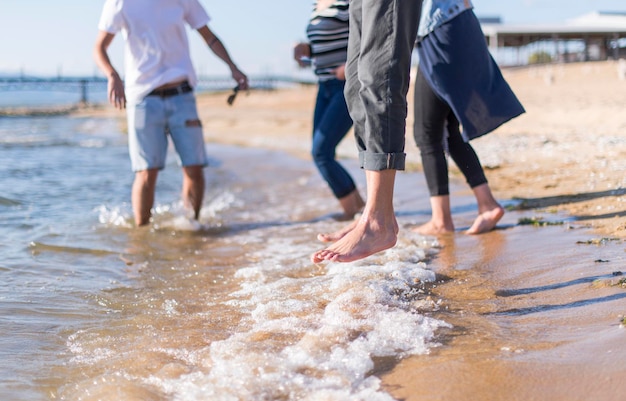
(382,38)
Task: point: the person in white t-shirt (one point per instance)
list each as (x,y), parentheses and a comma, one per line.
(157,91)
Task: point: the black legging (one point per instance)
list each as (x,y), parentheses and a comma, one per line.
(432,117)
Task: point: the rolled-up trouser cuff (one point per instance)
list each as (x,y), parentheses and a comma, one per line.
(382,161)
(382,38)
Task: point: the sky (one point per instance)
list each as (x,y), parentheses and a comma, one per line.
(55,37)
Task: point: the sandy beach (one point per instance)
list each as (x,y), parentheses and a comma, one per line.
(565,153)
(564,159)
(539,309)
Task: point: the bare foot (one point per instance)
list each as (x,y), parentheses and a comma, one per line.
(344,217)
(361,239)
(486,221)
(432,228)
(352,204)
(337,235)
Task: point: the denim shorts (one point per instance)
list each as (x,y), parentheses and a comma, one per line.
(153,120)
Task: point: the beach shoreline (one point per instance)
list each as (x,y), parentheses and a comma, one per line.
(561,163)
(565,154)
(514,295)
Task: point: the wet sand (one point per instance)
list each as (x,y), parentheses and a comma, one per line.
(536,309)
(536,315)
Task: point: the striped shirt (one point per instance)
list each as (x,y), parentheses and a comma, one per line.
(328,36)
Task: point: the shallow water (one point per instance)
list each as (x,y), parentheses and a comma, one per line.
(230,308)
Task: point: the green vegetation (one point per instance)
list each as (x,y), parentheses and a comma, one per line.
(537,222)
(598,241)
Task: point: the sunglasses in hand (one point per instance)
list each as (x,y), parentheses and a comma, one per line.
(233,96)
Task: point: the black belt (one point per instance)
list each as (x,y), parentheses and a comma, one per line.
(177,90)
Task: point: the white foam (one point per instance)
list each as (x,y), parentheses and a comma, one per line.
(315,338)
(172,216)
(98,350)
(119,216)
(302,331)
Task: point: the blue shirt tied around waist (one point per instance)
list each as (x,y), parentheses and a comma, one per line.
(454,58)
(438,12)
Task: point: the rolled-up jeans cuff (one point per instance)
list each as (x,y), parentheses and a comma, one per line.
(382,161)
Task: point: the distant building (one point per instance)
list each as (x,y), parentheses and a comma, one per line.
(599,35)
(489,20)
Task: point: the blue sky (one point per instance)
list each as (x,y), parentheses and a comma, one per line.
(48,37)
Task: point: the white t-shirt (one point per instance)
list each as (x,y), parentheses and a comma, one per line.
(156,48)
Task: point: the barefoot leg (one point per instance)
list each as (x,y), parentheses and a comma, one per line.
(489,211)
(441,219)
(352,204)
(377,228)
(337,235)
(193,188)
(143,195)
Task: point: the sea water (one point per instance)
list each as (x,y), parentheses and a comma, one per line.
(227,308)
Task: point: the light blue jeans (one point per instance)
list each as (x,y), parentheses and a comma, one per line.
(382,38)
(331,123)
(151,121)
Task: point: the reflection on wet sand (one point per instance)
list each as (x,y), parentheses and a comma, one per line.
(523,310)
